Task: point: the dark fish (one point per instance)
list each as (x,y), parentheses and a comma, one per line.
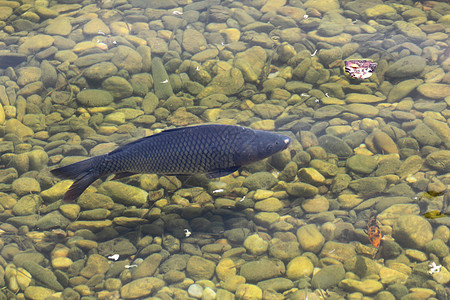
(11,59)
(215,150)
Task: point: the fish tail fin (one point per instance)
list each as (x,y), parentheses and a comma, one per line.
(84,173)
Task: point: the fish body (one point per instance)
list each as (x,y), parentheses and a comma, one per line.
(374,231)
(215,150)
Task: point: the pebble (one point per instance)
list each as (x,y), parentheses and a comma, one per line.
(123,193)
(412,231)
(310,238)
(367,286)
(328,276)
(256,271)
(141,287)
(256,245)
(200,268)
(434,90)
(195,291)
(249,291)
(299,267)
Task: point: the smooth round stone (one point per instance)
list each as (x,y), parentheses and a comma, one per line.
(384,142)
(316,205)
(300,189)
(369,185)
(35,43)
(328,111)
(406,67)
(379,11)
(437,247)
(260,180)
(200,268)
(27,205)
(310,238)
(367,286)
(60,26)
(26,185)
(38,292)
(349,201)
(276,284)
(19,129)
(46,13)
(256,271)
(362,163)
(141,287)
(266,218)
(402,89)
(410,30)
(226,268)
(284,250)
(322,5)
(208,294)
(328,276)
(425,135)
(100,71)
(363,110)
(361,266)
(193,41)
(270,204)
(389,276)
(116,118)
(128,59)
(299,267)
(412,231)
(439,160)
(96,27)
(123,193)
(61,262)
(94,97)
(256,245)
(362,98)
(416,255)
(335,145)
(434,90)
(118,86)
(262,194)
(267,111)
(248,291)
(440,128)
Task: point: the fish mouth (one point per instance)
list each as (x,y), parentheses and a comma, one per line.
(287,142)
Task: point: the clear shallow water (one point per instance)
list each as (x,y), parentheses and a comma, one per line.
(98,75)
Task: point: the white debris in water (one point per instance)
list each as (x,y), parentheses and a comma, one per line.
(434,268)
(130,266)
(114,257)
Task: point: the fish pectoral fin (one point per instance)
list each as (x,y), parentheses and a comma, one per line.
(222,172)
(123,175)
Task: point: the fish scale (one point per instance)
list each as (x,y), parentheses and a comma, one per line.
(216,150)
